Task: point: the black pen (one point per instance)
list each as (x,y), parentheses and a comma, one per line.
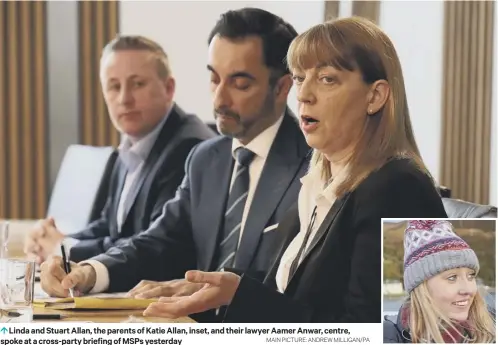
(47,316)
(67,266)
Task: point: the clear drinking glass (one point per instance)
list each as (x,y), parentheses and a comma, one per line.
(17,282)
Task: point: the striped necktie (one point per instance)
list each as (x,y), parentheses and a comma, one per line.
(229,239)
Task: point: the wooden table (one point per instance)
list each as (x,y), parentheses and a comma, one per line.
(18,230)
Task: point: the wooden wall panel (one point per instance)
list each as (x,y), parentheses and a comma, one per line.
(367,9)
(331,10)
(98,24)
(467,87)
(41,104)
(23,110)
(27,152)
(3,115)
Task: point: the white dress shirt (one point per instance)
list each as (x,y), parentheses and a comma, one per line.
(260,145)
(133,156)
(312,193)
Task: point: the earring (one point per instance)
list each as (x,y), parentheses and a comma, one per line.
(370,111)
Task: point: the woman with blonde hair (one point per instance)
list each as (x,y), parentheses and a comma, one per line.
(365,166)
(444,304)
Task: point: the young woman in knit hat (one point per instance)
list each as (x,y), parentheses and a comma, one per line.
(444,303)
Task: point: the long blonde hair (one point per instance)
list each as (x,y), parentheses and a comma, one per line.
(357,44)
(428,324)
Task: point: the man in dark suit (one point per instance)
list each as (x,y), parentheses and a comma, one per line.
(157,138)
(237,187)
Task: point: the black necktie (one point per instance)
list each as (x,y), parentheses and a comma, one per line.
(295,262)
(234,210)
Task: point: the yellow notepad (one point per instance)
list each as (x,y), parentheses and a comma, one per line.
(96,301)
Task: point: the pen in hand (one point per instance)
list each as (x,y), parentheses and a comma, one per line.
(67,266)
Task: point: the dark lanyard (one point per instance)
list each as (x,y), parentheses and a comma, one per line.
(295,263)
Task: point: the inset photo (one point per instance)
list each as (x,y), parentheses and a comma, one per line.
(439,280)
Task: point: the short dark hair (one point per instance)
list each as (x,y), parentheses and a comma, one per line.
(275,33)
(140,43)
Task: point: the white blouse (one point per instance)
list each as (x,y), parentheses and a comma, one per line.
(312,194)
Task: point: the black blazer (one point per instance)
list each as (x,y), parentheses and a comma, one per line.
(186,235)
(339,279)
(161,175)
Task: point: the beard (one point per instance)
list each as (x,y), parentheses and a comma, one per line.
(232,124)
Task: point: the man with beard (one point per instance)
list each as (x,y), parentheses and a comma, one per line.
(237,187)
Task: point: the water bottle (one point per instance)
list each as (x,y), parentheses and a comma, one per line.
(4,240)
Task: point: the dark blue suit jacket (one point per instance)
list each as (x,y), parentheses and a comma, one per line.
(186,235)
(161,175)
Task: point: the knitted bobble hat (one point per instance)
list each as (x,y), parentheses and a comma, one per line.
(432,247)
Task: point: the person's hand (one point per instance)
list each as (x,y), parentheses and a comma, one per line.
(218,290)
(56,283)
(173,288)
(42,240)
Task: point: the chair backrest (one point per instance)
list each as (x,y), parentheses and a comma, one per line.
(445,192)
(80,190)
(213,126)
(456,208)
